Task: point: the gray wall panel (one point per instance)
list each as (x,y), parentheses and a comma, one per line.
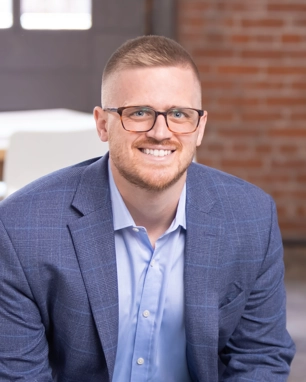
(118,15)
(45,49)
(45,90)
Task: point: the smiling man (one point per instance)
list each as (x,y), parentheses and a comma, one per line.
(141,265)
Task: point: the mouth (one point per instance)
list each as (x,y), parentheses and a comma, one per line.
(157,153)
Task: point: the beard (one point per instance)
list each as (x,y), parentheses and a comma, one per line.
(155,177)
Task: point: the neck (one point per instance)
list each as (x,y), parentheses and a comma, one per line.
(154,210)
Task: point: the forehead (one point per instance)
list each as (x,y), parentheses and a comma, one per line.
(176,86)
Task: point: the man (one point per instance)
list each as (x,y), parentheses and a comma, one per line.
(141,266)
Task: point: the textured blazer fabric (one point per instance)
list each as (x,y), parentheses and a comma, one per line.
(58,286)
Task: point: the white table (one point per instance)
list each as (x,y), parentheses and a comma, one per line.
(41,120)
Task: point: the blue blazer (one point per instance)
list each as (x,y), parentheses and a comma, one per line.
(58,286)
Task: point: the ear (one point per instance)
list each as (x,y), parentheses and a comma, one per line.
(201,128)
(101,118)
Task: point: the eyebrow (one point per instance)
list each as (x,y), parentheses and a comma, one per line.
(169,108)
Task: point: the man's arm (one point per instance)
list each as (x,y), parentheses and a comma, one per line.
(23,344)
(260,348)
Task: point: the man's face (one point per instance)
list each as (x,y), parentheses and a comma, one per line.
(132,158)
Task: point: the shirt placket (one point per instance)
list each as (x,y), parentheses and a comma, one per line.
(147,317)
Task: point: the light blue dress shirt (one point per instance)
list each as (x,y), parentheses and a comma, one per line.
(151,339)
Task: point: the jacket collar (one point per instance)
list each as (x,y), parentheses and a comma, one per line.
(93,190)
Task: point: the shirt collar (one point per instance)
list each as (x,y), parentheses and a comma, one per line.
(122,217)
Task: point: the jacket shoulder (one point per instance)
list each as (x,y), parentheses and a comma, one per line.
(230,196)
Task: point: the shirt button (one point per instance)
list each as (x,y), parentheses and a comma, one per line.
(135,229)
(152,263)
(140,361)
(146,313)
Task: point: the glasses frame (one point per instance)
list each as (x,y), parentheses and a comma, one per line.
(119,110)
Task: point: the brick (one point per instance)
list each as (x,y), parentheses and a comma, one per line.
(194,21)
(205,160)
(276,178)
(238,69)
(274,54)
(301,178)
(299,85)
(215,147)
(231,6)
(220,116)
(301,211)
(287,7)
(281,212)
(242,163)
(253,116)
(240,38)
(264,149)
(265,38)
(228,22)
(292,195)
(300,22)
(293,229)
(190,36)
(238,133)
(288,149)
(206,84)
(241,147)
(191,28)
(292,38)
(295,54)
(298,117)
(241,101)
(223,53)
(203,68)
(262,23)
(284,70)
(286,101)
(290,164)
(264,85)
(213,37)
(206,100)
(265,54)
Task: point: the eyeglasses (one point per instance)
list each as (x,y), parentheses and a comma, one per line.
(140,119)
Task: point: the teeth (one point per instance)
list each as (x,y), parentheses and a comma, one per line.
(156,153)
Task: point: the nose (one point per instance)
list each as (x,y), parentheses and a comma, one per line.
(160,130)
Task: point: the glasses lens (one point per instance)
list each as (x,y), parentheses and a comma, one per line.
(182,120)
(138,118)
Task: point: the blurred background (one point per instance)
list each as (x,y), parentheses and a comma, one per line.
(252,60)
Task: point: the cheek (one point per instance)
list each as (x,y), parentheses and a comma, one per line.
(190,143)
(118,142)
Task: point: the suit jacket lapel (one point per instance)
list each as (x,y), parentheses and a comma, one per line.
(203,239)
(93,237)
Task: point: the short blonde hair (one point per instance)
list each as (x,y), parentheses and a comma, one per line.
(149,51)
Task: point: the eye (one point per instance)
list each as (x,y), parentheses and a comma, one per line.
(177,114)
(137,113)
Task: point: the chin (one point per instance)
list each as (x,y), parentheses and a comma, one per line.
(153,182)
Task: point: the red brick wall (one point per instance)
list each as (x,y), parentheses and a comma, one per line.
(252,59)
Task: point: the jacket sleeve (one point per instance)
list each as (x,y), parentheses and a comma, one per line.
(23,344)
(260,349)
